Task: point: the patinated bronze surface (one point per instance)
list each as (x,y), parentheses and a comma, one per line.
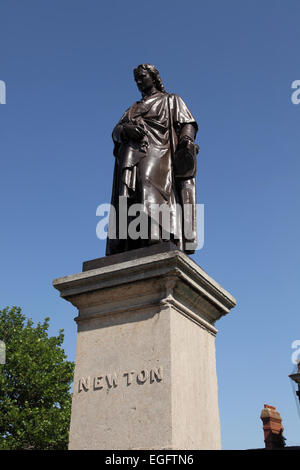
(156,164)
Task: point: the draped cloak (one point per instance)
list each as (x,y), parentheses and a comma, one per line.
(143,170)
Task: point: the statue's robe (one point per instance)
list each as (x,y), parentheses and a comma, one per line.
(144,170)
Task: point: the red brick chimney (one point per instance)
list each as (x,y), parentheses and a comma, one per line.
(273,429)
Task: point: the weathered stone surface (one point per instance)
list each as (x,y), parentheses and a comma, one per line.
(145,372)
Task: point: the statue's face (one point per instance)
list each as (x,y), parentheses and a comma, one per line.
(143,80)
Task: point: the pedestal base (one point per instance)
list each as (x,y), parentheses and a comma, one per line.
(145,375)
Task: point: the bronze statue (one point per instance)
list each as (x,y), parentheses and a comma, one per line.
(155,166)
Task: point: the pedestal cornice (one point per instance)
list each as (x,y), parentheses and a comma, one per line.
(160,279)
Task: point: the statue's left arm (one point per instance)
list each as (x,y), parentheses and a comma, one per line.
(184,122)
(186,129)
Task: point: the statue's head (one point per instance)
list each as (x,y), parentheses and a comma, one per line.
(146,75)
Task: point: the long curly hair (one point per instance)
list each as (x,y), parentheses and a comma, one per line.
(154,74)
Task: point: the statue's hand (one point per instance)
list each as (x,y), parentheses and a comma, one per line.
(133,132)
(184,141)
(187,143)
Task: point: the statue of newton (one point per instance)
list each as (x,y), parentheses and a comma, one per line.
(155,168)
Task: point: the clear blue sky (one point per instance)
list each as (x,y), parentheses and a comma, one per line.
(68,71)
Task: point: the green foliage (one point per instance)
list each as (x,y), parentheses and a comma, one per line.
(35,399)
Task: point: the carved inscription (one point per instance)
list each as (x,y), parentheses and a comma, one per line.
(114,380)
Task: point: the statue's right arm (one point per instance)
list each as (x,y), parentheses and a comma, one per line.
(117,133)
(125,132)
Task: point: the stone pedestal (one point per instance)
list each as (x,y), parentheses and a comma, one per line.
(145,375)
